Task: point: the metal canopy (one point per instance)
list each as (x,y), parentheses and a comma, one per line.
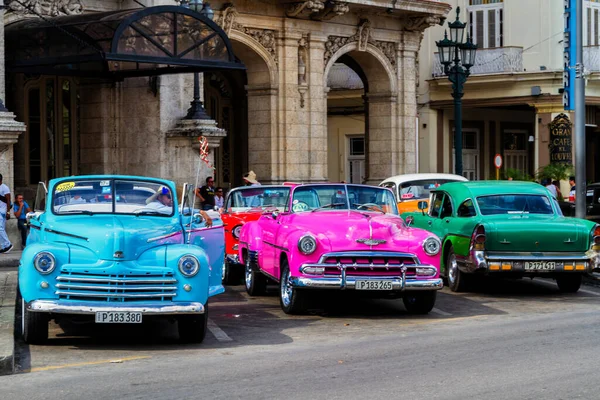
(118,44)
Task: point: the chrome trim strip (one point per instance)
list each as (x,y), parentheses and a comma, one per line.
(154,239)
(534,256)
(350,283)
(113,280)
(67,234)
(114,288)
(74,307)
(115,295)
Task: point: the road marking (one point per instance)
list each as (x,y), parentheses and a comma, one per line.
(440,312)
(84,364)
(579,291)
(218,333)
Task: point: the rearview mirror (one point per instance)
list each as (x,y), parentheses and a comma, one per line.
(422,205)
(31,215)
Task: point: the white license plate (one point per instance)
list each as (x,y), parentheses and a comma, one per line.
(373,285)
(540,265)
(118,317)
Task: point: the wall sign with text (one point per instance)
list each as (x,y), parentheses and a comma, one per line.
(561,145)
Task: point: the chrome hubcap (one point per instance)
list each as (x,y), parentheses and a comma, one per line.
(286,289)
(452,269)
(248,273)
(223,272)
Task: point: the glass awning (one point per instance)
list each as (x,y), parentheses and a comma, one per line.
(139,42)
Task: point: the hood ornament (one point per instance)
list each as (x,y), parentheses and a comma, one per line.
(371,242)
(118,254)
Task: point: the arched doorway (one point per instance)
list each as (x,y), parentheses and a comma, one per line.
(243,103)
(362,96)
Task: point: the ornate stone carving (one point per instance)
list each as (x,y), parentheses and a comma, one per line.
(422,23)
(304,8)
(46,7)
(333,8)
(266,37)
(227,20)
(363,36)
(302,68)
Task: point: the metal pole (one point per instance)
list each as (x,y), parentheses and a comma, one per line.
(458,139)
(580,164)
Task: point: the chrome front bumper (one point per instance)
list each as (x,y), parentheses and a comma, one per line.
(500,261)
(398,284)
(90,308)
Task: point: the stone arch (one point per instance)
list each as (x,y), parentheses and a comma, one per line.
(382,148)
(373,61)
(261,91)
(261,67)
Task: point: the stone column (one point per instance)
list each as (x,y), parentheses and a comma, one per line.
(381,138)
(407,53)
(316,106)
(265,156)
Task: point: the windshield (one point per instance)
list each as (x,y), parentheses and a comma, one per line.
(112,197)
(515,204)
(417,190)
(257,197)
(344,197)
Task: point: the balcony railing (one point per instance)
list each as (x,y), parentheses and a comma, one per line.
(490,61)
(591,58)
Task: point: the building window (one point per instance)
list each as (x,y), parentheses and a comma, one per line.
(591,23)
(52,114)
(357,146)
(486,22)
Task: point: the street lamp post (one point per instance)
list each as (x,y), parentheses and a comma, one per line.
(196,110)
(457,69)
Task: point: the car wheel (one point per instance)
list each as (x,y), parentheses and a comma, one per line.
(293,301)
(457,280)
(569,283)
(192,328)
(256,283)
(419,302)
(34,326)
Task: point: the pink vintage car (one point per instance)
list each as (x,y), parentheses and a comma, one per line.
(340,237)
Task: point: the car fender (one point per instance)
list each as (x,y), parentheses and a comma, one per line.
(206,283)
(251,239)
(30,280)
(296,258)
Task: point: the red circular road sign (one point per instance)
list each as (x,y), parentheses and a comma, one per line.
(498,161)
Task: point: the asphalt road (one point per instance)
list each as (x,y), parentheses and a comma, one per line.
(510,340)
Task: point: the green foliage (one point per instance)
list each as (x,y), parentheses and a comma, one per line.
(555,172)
(517,175)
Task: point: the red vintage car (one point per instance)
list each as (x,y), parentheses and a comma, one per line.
(245,204)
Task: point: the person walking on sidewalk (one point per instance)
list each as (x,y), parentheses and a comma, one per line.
(21,209)
(5,206)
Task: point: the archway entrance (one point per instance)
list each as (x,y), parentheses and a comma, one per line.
(361,115)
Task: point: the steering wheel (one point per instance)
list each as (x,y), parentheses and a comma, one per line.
(367,206)
(300,206)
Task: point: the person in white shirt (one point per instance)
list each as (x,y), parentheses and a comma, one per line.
(5,206)
(161,201)
(219,199)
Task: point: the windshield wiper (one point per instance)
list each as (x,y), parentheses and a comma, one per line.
(368,207)
(86,212)
(331,205)
(148,212)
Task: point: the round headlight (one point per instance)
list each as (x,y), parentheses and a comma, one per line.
(432,246)
(236,231)
(189,265)
(44,262)
(307,244)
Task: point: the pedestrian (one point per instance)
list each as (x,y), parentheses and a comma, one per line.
(219,199)
(547,183)
(21,209)
(559,195)
(5,206)
(206,194)
(573,192)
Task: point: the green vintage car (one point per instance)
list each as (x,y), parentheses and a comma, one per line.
(509,229)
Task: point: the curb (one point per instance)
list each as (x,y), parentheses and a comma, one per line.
(8,297)
(10,260)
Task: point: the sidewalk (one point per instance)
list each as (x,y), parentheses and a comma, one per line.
(8,295)
(11,259)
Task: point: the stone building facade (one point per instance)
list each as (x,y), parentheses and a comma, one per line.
(279,113)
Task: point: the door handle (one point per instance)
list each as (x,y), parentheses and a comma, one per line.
(447,221)
(429,222)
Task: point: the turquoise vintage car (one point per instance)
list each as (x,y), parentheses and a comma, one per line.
(511,229)
(118,249)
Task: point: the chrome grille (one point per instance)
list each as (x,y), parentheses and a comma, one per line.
(368,265)
(115,288)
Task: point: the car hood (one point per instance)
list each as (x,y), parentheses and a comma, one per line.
(115,237)
(356,230)
(536,233)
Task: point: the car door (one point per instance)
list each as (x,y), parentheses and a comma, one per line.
(269,224)
(441,226)
(211,240)
(38,209)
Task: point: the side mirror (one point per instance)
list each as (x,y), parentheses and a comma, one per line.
(216,208)
(197,219)
(410,220)
(275,214)
(422,205)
